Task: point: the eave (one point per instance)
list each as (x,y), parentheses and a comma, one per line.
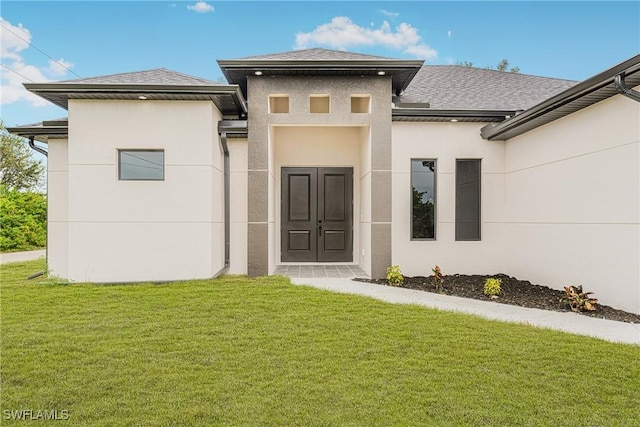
(227,98)
(401,72)
(434,115)
(43,131)
(582,95)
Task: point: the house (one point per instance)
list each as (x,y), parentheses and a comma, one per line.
(320,156)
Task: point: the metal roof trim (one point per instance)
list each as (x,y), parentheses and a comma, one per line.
(40,131)
(494,132)
(41,89)
(453,114)
(247,67)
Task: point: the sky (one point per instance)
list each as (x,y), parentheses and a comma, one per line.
(53,40)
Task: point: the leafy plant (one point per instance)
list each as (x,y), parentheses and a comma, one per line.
(394,276)
(19,170)
(23,216)
(492,286)
(579,300)
(438,278)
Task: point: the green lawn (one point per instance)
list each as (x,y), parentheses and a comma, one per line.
(263,352)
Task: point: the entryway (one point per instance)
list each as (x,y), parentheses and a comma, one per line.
(317,214)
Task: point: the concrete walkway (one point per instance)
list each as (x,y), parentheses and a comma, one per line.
(21,256)
(568,322)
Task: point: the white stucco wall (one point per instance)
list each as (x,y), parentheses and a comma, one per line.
(447,142)
(57,208)
(238,205)
(572,191)
(144,230)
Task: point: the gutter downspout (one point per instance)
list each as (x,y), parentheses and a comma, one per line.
(236,127)
(227,210)
(625,90)
(34,147)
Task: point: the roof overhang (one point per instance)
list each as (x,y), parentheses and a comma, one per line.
(43,131)
(433,115)
(582,95)
(227,98)
(401,71)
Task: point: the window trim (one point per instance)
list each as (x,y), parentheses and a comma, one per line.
(134,150)
(455,196)
(435,197)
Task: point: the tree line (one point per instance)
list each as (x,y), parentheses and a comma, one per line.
(23,202)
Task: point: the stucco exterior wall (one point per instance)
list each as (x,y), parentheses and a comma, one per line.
(238,205)
(144,230)
(447,142)
(572,190)
(57,208)
(263,173)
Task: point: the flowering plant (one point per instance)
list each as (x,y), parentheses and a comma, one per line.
(438,278)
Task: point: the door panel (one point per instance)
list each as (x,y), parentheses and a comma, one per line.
(299,238)
(317,214)
(335,206)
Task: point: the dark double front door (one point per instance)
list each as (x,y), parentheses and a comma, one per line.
(317,215)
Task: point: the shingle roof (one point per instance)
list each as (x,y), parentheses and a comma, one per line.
(466,88)
(316,54)
(156,76)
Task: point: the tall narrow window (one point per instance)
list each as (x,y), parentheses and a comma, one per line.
(423,199)
(141,165)
(468,199)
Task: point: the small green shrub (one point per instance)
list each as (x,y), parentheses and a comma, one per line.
(492,286)
(579,300)
(438,278)
(394,276)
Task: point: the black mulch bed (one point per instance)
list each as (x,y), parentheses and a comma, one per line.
(514,292)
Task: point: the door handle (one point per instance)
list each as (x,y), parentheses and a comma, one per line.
(319,227)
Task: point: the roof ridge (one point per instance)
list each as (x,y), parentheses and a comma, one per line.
(111,75)
(151,75)
(266,56)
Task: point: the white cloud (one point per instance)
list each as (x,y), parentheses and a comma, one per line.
(14,39)
(342,34)
(12,79)
(449,33)
(389,14)
(201,7)
(59,67)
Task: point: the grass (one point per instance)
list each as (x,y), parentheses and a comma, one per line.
(237,351)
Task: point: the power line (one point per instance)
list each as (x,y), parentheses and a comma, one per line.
(14,71)
(41,51)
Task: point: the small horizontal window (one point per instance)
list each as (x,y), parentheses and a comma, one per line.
(141,165)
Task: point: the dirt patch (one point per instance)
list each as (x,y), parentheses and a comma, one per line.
(514,292)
